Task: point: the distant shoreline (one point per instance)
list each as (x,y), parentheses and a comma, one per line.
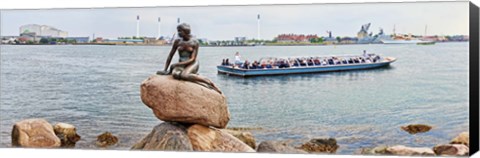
(267,45)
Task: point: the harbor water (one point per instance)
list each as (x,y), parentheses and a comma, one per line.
(97,89)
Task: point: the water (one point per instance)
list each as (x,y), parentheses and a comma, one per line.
(96,88)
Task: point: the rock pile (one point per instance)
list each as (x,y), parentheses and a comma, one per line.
(193,116)
(38,133)
(457,147)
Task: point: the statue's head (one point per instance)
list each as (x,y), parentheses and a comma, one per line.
(183,30)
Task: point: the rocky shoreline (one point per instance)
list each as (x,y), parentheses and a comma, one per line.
(195,119)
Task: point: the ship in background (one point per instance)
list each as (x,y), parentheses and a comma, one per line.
(366,38)
(408,39)
(381,38)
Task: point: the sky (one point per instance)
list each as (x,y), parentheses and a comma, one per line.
(227,22)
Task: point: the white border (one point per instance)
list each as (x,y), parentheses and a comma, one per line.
(42,4)
(47,4)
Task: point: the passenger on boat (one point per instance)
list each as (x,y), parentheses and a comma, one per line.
(356,60)
(223,62)
(263,65)
(310,61)
(254,65)
(368,61)
(303,62)
(362,60)
(316,61)
(324,62)
(279,63)
(336,61)
(344,61)
(350,61)
(330,61)
(227,62)
(245,65)
(238,60)
(270,64)
(376,58)
(365,54)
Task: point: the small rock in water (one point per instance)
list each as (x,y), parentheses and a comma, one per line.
(67,134)
(278,147)
(106,139)
(34,133)
(462,138)
(328,145)
(416,128)
(409,151)
(451,150)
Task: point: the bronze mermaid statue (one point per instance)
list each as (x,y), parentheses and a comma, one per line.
(187,67)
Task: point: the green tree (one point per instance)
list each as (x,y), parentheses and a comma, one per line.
(44,41)
(70,41)
(320,40)
(30,42)
(339,38)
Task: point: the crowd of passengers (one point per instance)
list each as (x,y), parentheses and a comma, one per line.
(302,62)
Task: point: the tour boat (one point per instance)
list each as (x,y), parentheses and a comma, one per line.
(297,65)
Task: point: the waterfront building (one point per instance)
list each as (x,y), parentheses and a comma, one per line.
(29,36)
(330,39)
(120,41)
(348,40)
(79,39)
(456,38)
(154,41)
(9,39)
(240,39)
(42,30)
(290,38)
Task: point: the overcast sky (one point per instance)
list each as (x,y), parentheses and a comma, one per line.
(227,22)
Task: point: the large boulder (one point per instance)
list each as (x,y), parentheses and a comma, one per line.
(462,138)
(183,101)
(416,128)
(211,139)
(36,133)
(278,147)
(451,150)
(67,134)
(409,151)
(166,136)
(244,136)
(328,145)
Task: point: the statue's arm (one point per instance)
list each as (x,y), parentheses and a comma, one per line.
(170,56)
